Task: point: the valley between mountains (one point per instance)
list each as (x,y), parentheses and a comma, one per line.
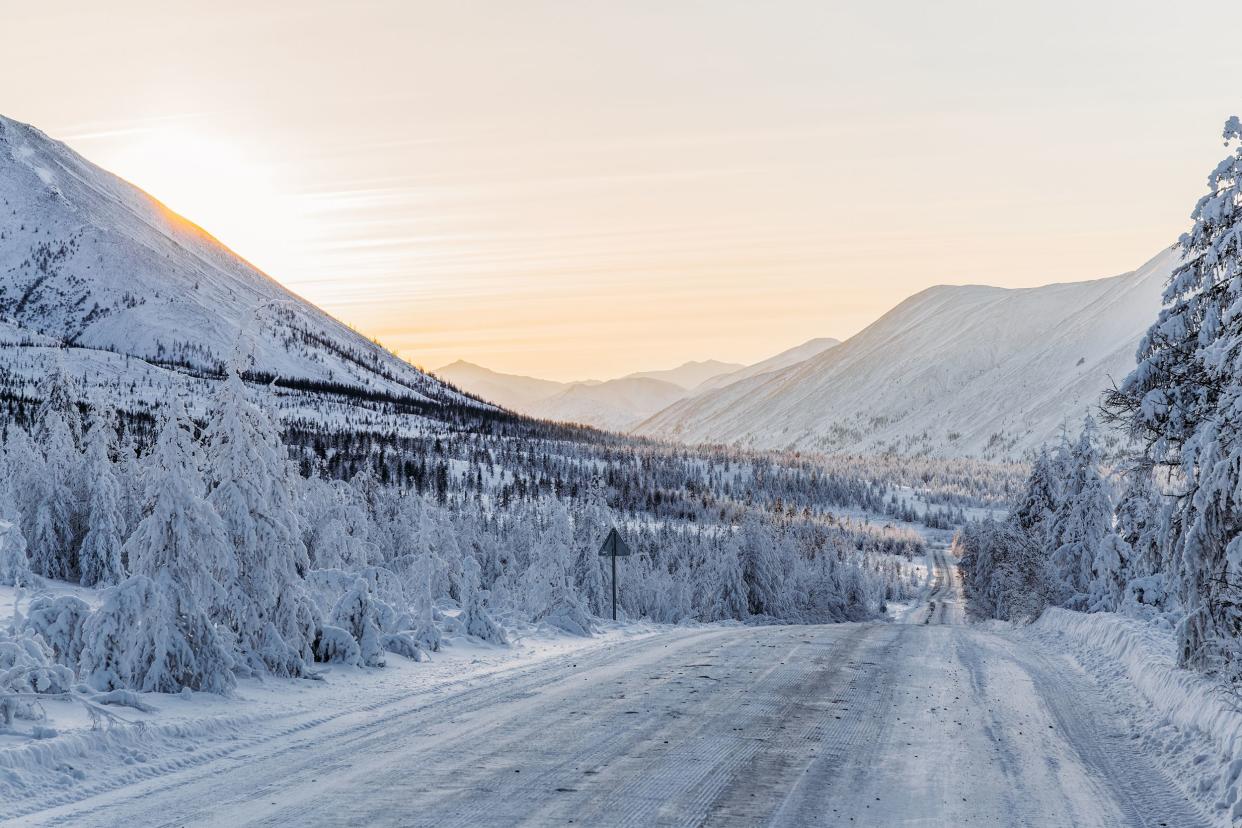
(257,569)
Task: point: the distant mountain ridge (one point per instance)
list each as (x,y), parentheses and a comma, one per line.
(953,370)
(616,405)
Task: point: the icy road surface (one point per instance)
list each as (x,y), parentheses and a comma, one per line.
(926,722)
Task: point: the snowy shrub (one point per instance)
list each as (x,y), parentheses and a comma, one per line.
(358,613)
(566,613)
(478,622)
(474,618)
(427,636)
(149,635)
(26,671)
(1147,597)
(58,621)
(334,645)
(403,644)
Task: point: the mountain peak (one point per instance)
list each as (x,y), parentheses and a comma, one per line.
(93,262)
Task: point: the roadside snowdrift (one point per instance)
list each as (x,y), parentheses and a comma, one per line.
(1192,724)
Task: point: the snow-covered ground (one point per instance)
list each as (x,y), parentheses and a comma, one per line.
(929,722)
(1189,724)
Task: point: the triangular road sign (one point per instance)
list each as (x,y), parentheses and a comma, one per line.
(614,546)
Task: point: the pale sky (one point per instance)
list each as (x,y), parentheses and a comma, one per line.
(584,189)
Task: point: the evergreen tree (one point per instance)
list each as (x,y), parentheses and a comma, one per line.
(1082,522)
(53,499)
(251,487)
(1041,497)
(100,555)
(1182,404)
(155,631)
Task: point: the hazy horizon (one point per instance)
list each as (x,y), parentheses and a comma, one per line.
(568,191)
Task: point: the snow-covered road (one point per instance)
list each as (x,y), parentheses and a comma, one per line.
(921,723)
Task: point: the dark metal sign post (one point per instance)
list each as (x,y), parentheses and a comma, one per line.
(614,547)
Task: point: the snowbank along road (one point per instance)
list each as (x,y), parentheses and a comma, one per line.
(927,722)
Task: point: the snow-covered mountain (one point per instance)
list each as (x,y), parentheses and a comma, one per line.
(784,359)
(690,374)
(121,287)
(615,405)
(512,391)
(953,370)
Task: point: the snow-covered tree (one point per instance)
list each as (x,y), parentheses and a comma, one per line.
(27,670)
(1082,522)
(356,613)
(52,499)
(1041,497)
(99,558)
(475,618)
(1183,403)
(58,620)
(591,520)
(1006,572)
(179,532)
(724,585)
(156,630)
(151,635)
(251,486)
(14,565)
(763,570)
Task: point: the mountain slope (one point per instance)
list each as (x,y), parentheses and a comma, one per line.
(92,262)
(784,359)
(615,405)
(513,391)
(969,370)
(690,374)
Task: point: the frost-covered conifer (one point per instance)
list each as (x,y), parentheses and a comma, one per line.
(763,571)
(1041,498)
(151,635)
(251,487)
(14,565)
(591,520)
(1183,404)
(99,558)
(1082,522)
(52,500)
(58,620)
(724,583)
(356,613)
